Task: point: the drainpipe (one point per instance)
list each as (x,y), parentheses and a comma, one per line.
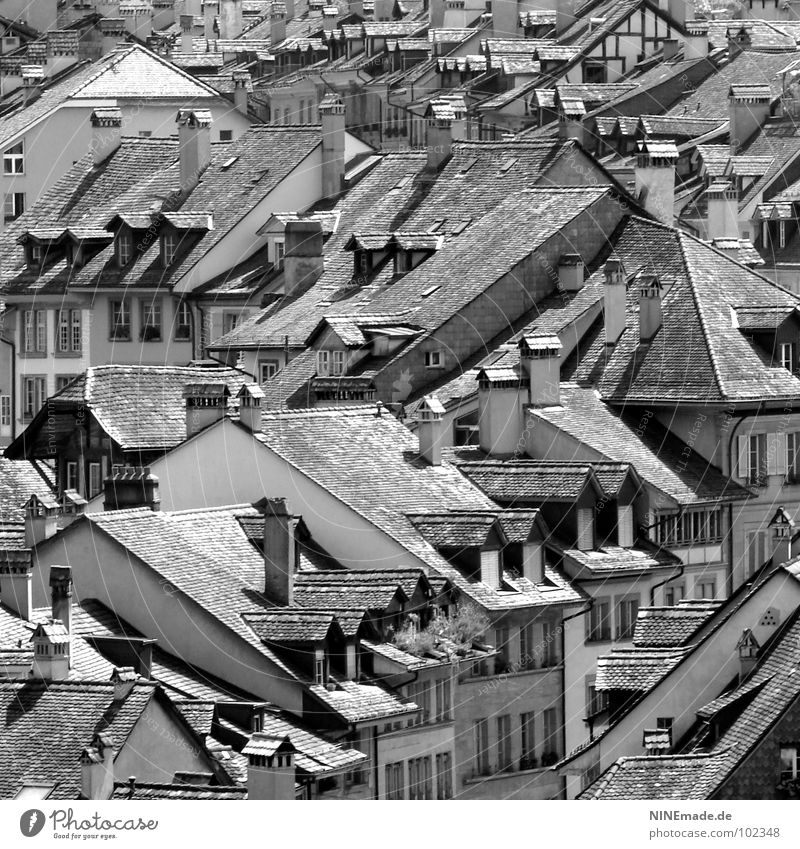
(375,761)
(672,577)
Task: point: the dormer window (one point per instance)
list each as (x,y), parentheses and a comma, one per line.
(788,358)
(363,262)
(402,262)
(330,363)
(37,254)
(124,248)
(169,247)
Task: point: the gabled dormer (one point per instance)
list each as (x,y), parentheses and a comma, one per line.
(370,253)
(132,236)
(411,249)
(180,232)
(43,246)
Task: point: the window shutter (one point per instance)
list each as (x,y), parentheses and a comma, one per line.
(742,467)
(781,465)
(625,525)
(490,568)
(772,450)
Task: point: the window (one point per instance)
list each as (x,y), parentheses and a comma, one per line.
(280,253)
(120,321)
(394,781)
(442,688)
(596,701)
(226,135)
(145,134)
(600,620)
(169,246)
(503,743)
(689,527)
(490,567)
(14,159)
(34,331)
(551,745)
(444,776)
(753,458)
(481,746)
(230,321)
(434,359)
(124,248)
(673,594)
(467,431)
(793,457)
(501,640)
(527,647)
(789,763)
(69,337)
(151,321)
(63,380)
(526,721)
(787,355)
(71,481)
(320,669)
(183,321)
(5,411)
(549,643)
(267,369)
(95,480)
(258,722)
(323,363)
(626,617)
(706,588)
(13,205)
(337,363)
(420,779)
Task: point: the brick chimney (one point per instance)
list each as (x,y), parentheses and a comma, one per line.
(106,132)
(280,554)
(250,396)
(97,767)
(241,91)
(41,519)
(194,143)
(270,767)
(651,314)
(332,114)
(16,576)
(655,178)
(722,199)
(277,16)
(540,355)
(230,19)
(614,300)
(132,486)
(570,273)
(501,395)
(61,595)
(748,110)
(206,404)
(430,429)
(210,12)
(303,259)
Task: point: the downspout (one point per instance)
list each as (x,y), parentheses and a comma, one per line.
(375,762)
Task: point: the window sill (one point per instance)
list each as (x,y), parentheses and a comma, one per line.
(61,355)
(32,355)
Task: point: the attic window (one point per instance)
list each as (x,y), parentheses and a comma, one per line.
(428,292)
(508,165)
(461,227)
(469,164)
(228,162)
(402,182)
(124,249)
(436,226)
(169,247)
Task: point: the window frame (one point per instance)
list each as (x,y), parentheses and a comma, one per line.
(600,628)
(123,248)
(434,359)
(481,740)
(183,319)
(151,308)
(16,202)
(14,160)
(69,332)
(125,311)
(786,351)
(95,469)
(272,365)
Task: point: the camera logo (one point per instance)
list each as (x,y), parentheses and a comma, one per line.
(31,822)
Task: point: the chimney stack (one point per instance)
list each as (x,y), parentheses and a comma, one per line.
(289,4)
(332,114)
(106,132)
(97,767)
(655,178)
(671,48)
(206,404)
(540,355)
(329,15)
(250,398)
(695,44)
(41,518)
(123,678)
(194,143)
(439,134)
(32,79)
(131,487)
(51,651)
(270,767)
(210,11)
(436,13)
(61,595)
(455,14)
(230,19)
(505,18)
(571,112)
(277,32)
(614,300)
(430,429)
(501,395)
(382,10)
(783,528)
(570,273)
(723,211)
(303,259)
(280,554)
(748,110)
(16,577)
(242,85)
(651,314)
(187,33)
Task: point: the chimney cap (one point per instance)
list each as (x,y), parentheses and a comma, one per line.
(757,93)
(781,519)
(15,560)
(251,390)
(53,629)
(649,284)
(613,270)
(266,745)
(275,507)
(123,674)
(206,390)
(498,378)
(570,259)
(106,116)
(657,151)
(331,104)
(60,575)
(540,345)
(194,118)
(721,188)
(430,409)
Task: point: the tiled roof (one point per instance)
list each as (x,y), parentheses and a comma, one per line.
(635,669)
(357,702)
(613,560)
(528,481)
(46,725)
(147,792)
(656,455)
(19,479)
(454,530)
(290,625)
(661,627)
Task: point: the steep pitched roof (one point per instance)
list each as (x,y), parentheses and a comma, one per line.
(662,627)
(19,479)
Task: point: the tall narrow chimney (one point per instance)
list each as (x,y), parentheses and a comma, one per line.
(436,13)
(303,260)
(571,113)
(194,143)
(250,398)
(655,178)
(16,577)
(242,85)
(187,33)
(505,18)
(61,595)
(695,43)
(206,404)
(570,273)
(501,394)
(230,19)
(210,12)
(97,767)
(270,769)
(277,32)
(614,300)
(41,518)
(438,134)
(106,132)
(651,314)
(748,110)
(540,355)
(332,113)
(32,79)
(51,651)
(279,551)
(430,429)
(723,211)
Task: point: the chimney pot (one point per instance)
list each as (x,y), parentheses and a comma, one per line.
(250,396)
(650,308)
(106,132)
(655,178)
(430,429)
(206,404)
(131,487)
